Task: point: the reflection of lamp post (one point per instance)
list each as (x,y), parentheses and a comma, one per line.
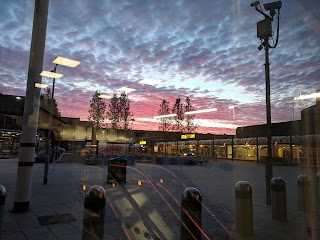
(131,123)
(264,33)
(54,75)
(231,109)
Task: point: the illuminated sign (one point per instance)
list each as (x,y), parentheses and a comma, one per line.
(192,135)
(143,142)
(188,136)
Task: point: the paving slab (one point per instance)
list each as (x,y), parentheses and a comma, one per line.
(153,210)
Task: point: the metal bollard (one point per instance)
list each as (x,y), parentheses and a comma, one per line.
(3,194)
(278,199)
(93,217)
(117,170)
(244,214)
(191,214)
(304,193)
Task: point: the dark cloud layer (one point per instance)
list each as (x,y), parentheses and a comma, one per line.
(206,50)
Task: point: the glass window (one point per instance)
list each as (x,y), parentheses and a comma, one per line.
(164,119)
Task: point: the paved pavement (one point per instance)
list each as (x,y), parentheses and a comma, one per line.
(152,210)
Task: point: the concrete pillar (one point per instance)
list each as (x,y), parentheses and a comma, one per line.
(31,108)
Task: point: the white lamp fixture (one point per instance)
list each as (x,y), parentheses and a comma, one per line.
(201,111)
(66,62)
(308,96)
(54,75)
(151,82)
(126,89)
(105,96)
(165,116)
(40,85)
(51,74)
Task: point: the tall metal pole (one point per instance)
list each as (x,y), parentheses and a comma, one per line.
(264,32)
(269,171)
(46,163)
(31,108)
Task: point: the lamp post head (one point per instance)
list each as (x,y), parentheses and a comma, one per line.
(66,62)
(40,85)
(50,74)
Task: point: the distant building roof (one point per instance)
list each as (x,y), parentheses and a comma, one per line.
(11,105)
(14,105)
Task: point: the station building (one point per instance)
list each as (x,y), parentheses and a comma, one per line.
(293,142)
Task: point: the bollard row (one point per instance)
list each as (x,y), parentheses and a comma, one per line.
(243,204)
(191,207)
(243,201)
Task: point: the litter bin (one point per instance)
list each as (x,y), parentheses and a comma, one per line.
(117,170)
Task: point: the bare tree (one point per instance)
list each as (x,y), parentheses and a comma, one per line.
(48,103)
(96,113)
(124,110)
(189,126)
(119,113)
(113,112)
(164,123)
(179,118)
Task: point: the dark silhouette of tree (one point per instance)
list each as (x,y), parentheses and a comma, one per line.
(113,112)
(190,126)
(48,103)
(96,114)
(97,110)
(178,109)
(178,119)
(119,113)
(124,111)
(166,122)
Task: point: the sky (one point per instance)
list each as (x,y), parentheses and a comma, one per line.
(202,49)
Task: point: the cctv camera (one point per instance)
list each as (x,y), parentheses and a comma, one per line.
(254,3)
(272,6)
(260,47)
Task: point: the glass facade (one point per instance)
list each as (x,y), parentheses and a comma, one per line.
(159,119)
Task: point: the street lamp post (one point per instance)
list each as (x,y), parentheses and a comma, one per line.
(264,33)
(54,75)
(131,123)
